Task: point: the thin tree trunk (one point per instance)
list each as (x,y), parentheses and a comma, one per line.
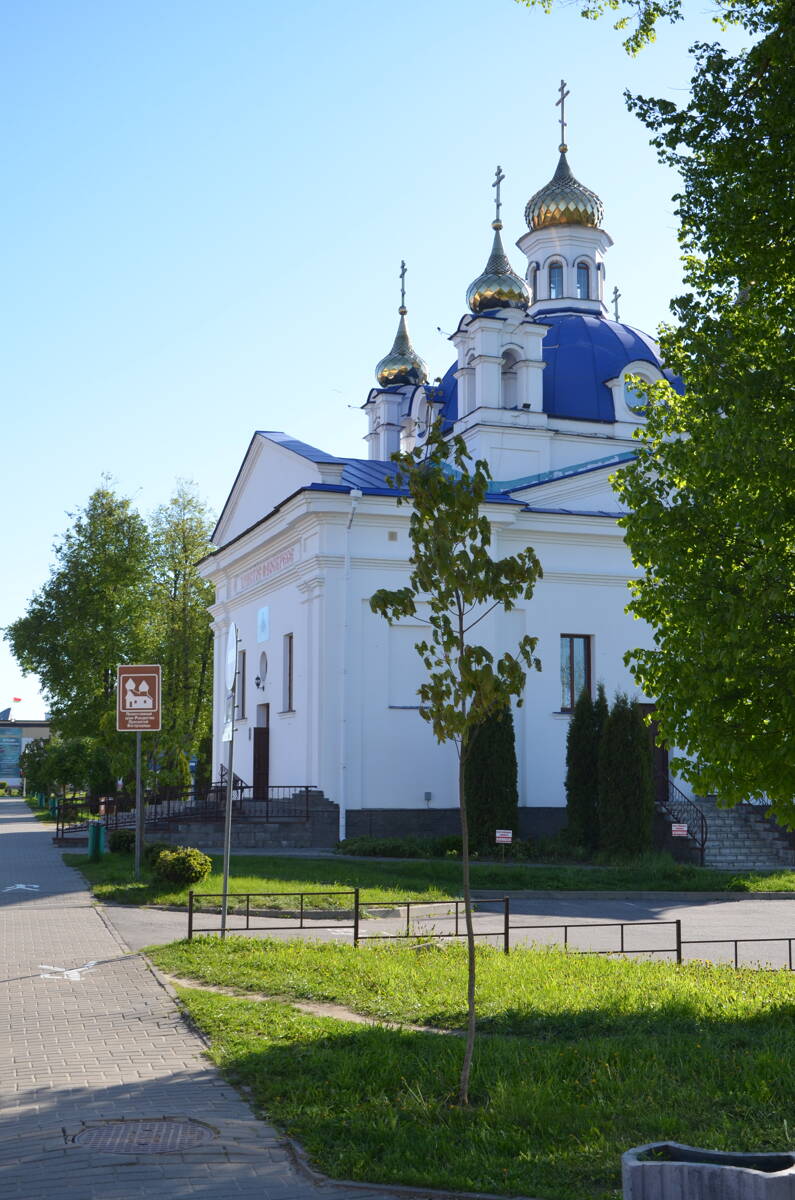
(463,1087)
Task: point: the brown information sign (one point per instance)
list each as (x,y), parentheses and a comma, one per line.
(138,699)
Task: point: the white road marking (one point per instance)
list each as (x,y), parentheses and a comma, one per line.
(74,974)
(23,887)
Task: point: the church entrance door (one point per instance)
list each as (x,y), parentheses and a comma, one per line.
(659,758)
(261,766)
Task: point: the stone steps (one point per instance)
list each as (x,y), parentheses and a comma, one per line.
(742,838)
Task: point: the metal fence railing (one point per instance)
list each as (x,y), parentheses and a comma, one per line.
(250,912)
(284,802)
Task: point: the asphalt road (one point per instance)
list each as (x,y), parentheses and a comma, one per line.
(592,919)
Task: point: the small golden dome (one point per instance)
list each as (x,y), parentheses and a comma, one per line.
(401,365)
(564,201)
(499,286)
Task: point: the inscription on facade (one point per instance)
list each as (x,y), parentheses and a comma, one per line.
(265,569)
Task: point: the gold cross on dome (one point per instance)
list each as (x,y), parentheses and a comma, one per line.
(561,103)
(402,284)
(498,178)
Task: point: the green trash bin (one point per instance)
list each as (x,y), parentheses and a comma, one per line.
(96,840)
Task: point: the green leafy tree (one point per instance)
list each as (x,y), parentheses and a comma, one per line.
(583,743)
(712,508)
(34,764)
(179,634)
(490,778)
(89,616)
(626,791)
(455,584)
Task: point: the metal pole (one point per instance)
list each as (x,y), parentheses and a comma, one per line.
(228,815)
(506,932)
(139,808)
(679,941)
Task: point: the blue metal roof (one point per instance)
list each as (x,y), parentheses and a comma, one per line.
(582,351)
(302,448)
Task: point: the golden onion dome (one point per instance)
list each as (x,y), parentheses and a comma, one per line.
(499,286)
(401,365)
(564,201)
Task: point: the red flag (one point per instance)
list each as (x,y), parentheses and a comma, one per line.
(16,699)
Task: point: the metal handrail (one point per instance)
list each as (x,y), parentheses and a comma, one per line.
(681,809)
(291,802)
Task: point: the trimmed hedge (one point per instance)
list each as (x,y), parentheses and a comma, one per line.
(182,866)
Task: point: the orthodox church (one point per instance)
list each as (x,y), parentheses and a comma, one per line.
(541,388)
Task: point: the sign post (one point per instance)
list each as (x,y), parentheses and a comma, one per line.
(229,736)
(138,710)
(504,837)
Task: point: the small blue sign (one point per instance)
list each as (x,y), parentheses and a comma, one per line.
(263,624)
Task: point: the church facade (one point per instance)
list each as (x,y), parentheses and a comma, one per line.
(540,387)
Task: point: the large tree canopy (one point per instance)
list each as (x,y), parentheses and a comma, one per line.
(124,591)
(712,521)
(89,615)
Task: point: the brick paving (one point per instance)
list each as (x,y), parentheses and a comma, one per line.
(108,1044)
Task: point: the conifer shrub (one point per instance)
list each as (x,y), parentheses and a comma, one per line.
(490,788)
(182,866)
(582,768)
(626,792)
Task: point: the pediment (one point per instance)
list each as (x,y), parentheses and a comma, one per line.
(270,472)
(589,491)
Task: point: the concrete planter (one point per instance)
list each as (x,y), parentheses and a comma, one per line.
(670,1171)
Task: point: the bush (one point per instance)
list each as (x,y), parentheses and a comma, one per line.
(408,847)
(490,790)
(153,851)
(182,866)
(626,791)
(583,740)
(121,841)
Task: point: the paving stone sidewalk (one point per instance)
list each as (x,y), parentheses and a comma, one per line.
(106,1043)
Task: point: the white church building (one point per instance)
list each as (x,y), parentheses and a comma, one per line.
(327,691)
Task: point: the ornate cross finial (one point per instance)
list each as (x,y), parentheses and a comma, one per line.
(402,288)
(616,298)
(561,103)
(499,175)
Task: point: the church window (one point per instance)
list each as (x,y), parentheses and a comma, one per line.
(583,281)
(575,668)
(533,283)
(287,673)
(556,282)
(508,397)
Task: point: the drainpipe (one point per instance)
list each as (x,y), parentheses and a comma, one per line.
(356,496)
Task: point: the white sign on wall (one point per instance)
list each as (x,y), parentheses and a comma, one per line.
(263,624)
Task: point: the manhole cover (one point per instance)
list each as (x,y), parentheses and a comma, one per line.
(145,1137)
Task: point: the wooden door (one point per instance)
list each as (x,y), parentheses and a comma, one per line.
(261,770)
(659,758)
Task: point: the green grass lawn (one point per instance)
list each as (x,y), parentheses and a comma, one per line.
(112,879)
(581,1058)
(417,879)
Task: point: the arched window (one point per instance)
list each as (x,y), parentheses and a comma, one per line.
(508,389)
(583,281)
(532,280)
(556,281)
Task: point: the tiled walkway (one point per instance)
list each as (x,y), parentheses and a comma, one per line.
(106,1043)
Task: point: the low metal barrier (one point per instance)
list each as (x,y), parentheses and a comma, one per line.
(252,918)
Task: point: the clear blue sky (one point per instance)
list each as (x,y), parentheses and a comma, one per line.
(205,208)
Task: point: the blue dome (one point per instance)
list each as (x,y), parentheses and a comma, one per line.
(582,352)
